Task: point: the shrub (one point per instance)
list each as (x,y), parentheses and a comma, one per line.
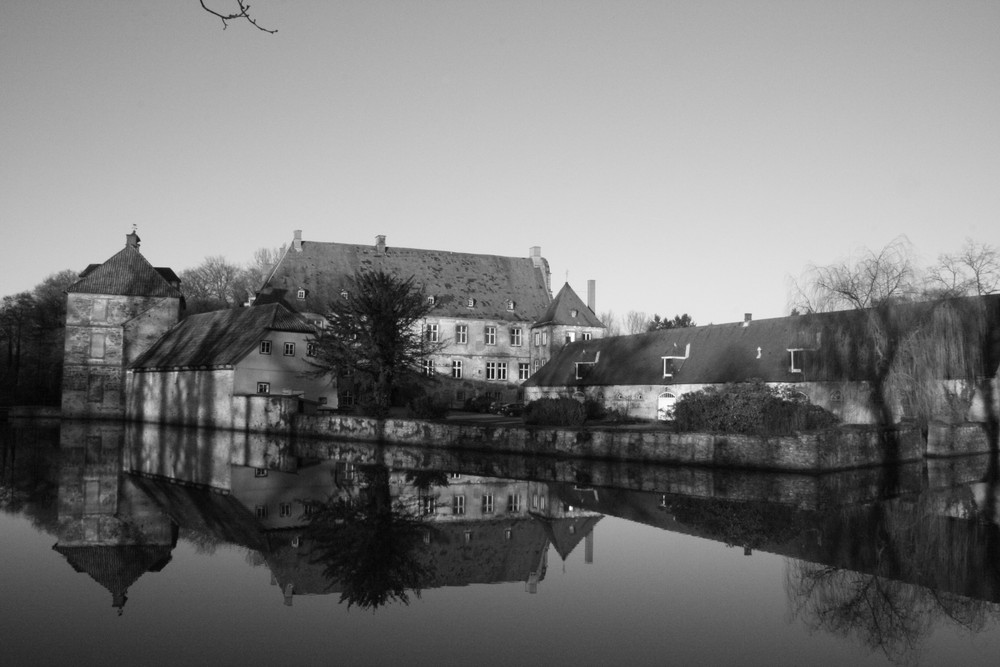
(428,407)
(749,408)
(555,412)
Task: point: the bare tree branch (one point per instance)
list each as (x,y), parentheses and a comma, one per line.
(242,14)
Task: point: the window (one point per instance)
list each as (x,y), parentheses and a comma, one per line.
(285,509)
(425,504)
(260,472)
(347,399)
(523,370)
(456,368)
(514,503)
(311,349)
(265,347)
(458,505)
(471,303)
(496,370)
(427,366)
(538,339)
(301,294)
(583,369)
(289,350)
(491,335)
(97,346)
(263,387)
(795,361)
(574,313)
(488,503)
(462,334)
(430,301)
(515,337)
(344,294)
(510,305)
(260,511)
(431,333)
(545,338)
(586,335)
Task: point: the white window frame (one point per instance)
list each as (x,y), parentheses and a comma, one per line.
(488,503)
(792,354)
(265,347)
(432,332)
(515,337)
(490,334)
(458,504)
(462,334)
(586,335)
(427,366)
(456,368)
(263,387)
(523,370)
(288,350)
(491,370)
(502,370)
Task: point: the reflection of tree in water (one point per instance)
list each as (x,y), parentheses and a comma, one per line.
(749,524)
(370,544)
(891,545)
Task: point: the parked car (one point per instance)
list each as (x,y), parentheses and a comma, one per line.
(512,409)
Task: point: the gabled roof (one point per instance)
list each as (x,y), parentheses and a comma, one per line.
(569,309)
(116,567)
(127,273)
(219,338)
(452,278)
(835,346)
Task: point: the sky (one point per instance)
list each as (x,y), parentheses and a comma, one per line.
(688,156)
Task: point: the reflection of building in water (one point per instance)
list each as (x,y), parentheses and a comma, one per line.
(477,529)
(108,528)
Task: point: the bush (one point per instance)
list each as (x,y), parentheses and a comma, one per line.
(749,408)
(555,412)
(428,407)
(480,403)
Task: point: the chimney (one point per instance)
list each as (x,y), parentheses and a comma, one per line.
(380,244)
(535,253)
(747,317)
(132,239)
(297,241)
(592,295)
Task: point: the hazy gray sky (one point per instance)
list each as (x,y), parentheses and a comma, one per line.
(688,156)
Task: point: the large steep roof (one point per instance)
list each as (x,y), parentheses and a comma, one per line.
(491,281)
(219,338)
(127,273)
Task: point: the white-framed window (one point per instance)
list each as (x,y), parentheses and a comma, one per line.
(515,337)
(289,350)
(491,370)
(488,503)
(263,387)
(344,294)
(427,366)
(462,334)
(574,313)
(431,333)
(456,368)
(545,338)
(523,370)
(471,303)
(430,301)
(570,336)
(311,349)
(501,370)
(514,503)
(300,294)
(538,363)
(491,335)
(586,335)
(425,504)
(538,339)
(265,347)
(795,361)
(510,305)
(458,504)
(665,406)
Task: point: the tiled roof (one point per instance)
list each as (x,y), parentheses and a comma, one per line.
(127,273)
(219,338)
(759,349)
(569,309)
(116,567)
(324,269)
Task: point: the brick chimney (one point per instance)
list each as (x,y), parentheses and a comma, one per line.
(132,239)
(380,244)
(297,241)
(592,295)
(535,253)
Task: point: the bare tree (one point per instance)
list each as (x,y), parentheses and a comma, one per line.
(214,284)
(875,278)
(611,322)
(973,270)
(635,322)
(240,13)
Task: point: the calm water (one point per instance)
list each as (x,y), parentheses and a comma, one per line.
(130,545)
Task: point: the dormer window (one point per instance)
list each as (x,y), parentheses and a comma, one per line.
(574,312)
(471,303)
(344,294)
(430,301)
(300,294)
(510,305)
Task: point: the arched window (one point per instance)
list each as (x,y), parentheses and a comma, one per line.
(665,406)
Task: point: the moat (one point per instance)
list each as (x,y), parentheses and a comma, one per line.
(134,544)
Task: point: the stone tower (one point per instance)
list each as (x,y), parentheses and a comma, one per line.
(114,312)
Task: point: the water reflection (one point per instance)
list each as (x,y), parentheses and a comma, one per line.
(880,557)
